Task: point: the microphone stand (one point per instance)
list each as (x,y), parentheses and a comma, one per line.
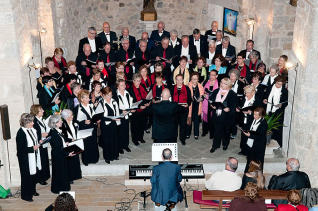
(29,66)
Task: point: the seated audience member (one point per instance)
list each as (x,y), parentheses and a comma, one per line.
(254,175)
(165,182)
(251,201)
(157,35)
(253,61)
(249,49)
(213,30)
(174,40)
(59,60)
(226,49)
(201,70)
(64,202)
(183,70)
(294,199)
(132,39)
(199,41)
(94,41)
(226,180)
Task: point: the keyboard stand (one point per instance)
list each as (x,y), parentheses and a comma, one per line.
(185,193)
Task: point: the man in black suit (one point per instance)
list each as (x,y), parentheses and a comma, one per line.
(292,179)
(213,30)
(142,54)
(132,39)
(199,41)
(218,37)
(150,43)
(108,36)
(249,49)
(157,35)
(164,128)
(108,56)
(226,49)
(186,50)
(126,53)
(94,41)
(174,40)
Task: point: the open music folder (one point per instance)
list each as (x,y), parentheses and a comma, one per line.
(75,146)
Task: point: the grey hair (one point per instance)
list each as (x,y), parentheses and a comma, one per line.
(233,165)
(74,85)
(167,154)
(91,28)
(254,53)
(236,72)
(136,75)
(211,42)
(26,119)
(144,41)
(164,38)
(274,67)
(124,39)
(226,38)
(66,113)
(184,36)
(174,32)
(293,164)
(54,119)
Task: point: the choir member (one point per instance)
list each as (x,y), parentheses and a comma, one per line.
(119,68)
(249,48)
(261,67)
(253,61)
(276,100)
(96,94)
(96,77)
(259,88)
(109,57)
(226,49)
(109,127)
(82,64)
(108,36)
(157,88)
(256,132)
(104,73)
(59,60)
(195,109)
(142,55)
(237,85)
(209,55)
(46,95)
(71,68)
(213,30)
(181,94)
(157,35)
(174,40)
(55,72)
(244,111)
(131,39)
(269,79)
(245,74)
(42,132)
(138,93)
(124,101)
(73,101)
(150,43)
(211,85)
(166,52)
(124,54)
(183,70)
(83,114)
(60,180)
(69,131)
(218,37)
(145,79)
(158,68)
(223,116)
(187,50)
(44,71)
(66,92)
(92,40)
(29,157)
(199,41)
(219,64)
(200,68)
(282,66)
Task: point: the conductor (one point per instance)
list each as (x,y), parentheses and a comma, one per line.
(165,182)
(164,129)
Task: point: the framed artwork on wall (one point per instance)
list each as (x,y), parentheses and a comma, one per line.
(230,21)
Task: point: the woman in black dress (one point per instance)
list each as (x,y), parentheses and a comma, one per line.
(28,156)
(42,132)
(109,127)
(60,179)
(83,114)
(69,130)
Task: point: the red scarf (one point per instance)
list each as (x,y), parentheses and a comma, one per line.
(164,56)
(69,89)
(153,78)
(56,64)
(154,90)
(144,82)
(243,72)
(127,67)
(251,64)
(137,93)
(143,56)
(105,73)
(183,97)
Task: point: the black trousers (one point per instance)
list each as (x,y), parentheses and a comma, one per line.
(123,135)
(28,184)
(195,121)
(208,127)
(182,123)
(222,131)
(138,120)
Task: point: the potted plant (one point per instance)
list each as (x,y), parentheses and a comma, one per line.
(50,112)
(273,123)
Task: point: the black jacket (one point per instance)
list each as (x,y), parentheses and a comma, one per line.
(164,121)
(192,52)
(98,43)
(139,61)
(156,37)
(244,53)
(203,44)
(132,42)
(289,180)
(231,52)
(45,99)
(113,37)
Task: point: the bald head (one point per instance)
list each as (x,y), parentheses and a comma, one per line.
(231,164)
(292,164)
(165,94)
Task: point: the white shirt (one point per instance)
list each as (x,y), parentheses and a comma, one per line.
(197,45)
(184,51)
(224,180)
(92,44)
(160,33)
(211,55)
(88,110)
(71,135)
(218,42)
(123,102)
(247,54)
(173,43)
(224,50)
(107,36)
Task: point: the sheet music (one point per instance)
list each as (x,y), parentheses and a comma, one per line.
(116,117)
(136,104)
(157,149)
(149,96)
(209,61)
(78,142)
(84,133)
(56,96)
(210,37)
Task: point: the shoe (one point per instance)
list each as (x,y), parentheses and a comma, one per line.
(142,141)
(43,183)
(121,151)
(136,143)
(107,161)
(225,148)
(196,137)
(183,143)
(127,149)
(36,194)
(212,150)
(187,137)
(147,131)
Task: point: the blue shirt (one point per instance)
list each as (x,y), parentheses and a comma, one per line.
(222,70)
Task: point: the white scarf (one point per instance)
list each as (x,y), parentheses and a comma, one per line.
(34,158)
(248,103)
(253,127)
(273,99)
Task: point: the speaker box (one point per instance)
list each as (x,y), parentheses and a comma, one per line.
(4,113)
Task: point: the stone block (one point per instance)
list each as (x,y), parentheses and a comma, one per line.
(276,52)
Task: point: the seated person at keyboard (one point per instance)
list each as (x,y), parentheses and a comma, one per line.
(165,182)
(226,180)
